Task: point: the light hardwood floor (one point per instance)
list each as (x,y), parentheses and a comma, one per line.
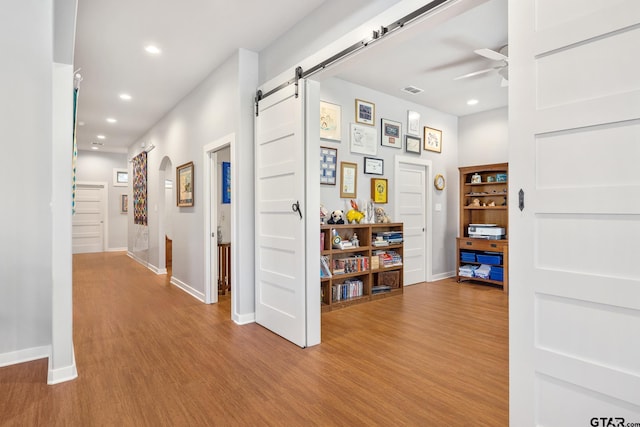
(148,354)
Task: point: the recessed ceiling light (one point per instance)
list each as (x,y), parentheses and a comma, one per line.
(94,148)
(100,136)
(125,97)
(154,50)
(111,120)
(472,102)
(80,123)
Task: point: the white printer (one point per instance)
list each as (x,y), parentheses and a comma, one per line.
(486,231)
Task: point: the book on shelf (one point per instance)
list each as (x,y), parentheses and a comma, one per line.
(388,258)
(386,238)
(349,289)
(350,265)
(325,271)
(380,289)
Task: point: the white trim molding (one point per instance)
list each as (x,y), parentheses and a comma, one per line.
(25,355)
(60,375)
(188,289)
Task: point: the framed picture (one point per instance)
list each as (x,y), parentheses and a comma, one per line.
(120,178)
(432,139)
(328,165)
(391,133)
(379,190)
(364,139)
(373,166)
(184,178)
(412,144)
(330,121)
(348,180)
(226,182)
(365,112)
(124,203)
(413,123)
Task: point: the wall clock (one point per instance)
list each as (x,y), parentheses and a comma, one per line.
(438,182)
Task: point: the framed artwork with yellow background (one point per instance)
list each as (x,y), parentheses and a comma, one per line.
(379,190)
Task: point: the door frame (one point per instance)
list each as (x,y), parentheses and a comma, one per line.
(210,172)
(428,226)
(104,208)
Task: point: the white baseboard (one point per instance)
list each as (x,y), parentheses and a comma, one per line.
(25,355)
(244,319)
(117,249)
(188,289)
(136,259)
(442,276)
(61,375)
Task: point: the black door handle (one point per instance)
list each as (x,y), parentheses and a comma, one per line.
(296,208)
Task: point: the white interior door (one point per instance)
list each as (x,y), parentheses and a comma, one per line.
(215,184)
(88,221)
(280,210)
(411,179)
(574,113)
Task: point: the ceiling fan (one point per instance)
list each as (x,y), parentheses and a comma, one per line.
(501,55)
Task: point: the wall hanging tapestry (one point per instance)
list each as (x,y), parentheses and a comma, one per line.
(140,189)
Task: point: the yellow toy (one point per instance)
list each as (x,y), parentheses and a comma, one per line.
(354,215)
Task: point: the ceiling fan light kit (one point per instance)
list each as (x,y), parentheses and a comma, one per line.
(501,55)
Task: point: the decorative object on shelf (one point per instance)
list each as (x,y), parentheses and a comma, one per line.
(226,182)
(363,139)
(391,133)
(354,240)
(336,217)
(184,179)
(491,178)
(373,166)
(354,216)
(501,177)
(475,203)
(432,139)
(369,215)
(381,216)
(379,190)
(365,112)
(412,144)
(438,182)
(330,121)
(413,123)
(491,203)
(476,178)
(124,203)
(328,165)
(348,180)
(324,212)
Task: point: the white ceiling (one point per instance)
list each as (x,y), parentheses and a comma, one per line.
(198,35)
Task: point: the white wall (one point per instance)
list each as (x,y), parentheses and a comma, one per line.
(445,221)
(219,106)
(26,217)
(484,138)
(35,251)
(98,167)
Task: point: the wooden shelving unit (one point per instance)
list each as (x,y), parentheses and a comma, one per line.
(370,277)
(489,191)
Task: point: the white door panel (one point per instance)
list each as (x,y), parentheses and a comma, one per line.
(411,200)
(280,231)
(88,220)
(575,287)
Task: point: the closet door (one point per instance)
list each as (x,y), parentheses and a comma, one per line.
(280,215)
(574,117)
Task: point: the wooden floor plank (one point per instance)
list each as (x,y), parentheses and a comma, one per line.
(148,354)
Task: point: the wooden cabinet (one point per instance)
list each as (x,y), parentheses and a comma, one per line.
(483,200)
(362,273)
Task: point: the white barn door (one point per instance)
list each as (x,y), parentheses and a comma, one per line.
(574,113)
(281,211)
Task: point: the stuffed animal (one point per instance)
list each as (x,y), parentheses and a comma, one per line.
(381,216)
(324,212)
(354,215)
(336,217)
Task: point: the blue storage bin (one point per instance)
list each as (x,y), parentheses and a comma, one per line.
(489,259)
(497,273)
(468,256)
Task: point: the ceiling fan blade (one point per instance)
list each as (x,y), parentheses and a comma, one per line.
(476,73)
(491,54)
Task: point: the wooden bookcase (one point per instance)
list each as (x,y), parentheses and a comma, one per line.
(363,268)
(489,191)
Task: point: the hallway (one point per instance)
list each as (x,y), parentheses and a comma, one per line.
(148,354)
